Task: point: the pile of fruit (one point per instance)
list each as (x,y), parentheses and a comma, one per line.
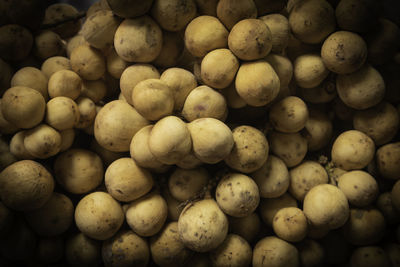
(199,133)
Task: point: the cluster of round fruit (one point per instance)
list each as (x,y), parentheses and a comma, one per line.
(201,132)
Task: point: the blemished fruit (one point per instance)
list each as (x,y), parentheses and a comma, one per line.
(200,133)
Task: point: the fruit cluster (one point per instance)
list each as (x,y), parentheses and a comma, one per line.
(199,132)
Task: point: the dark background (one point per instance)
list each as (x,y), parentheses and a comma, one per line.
(81,5)
(391,7)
